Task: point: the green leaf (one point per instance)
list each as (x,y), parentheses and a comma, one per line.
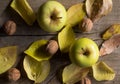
(75,14)
(101,71)
(8,56)
(24,10)
(36,71)
(38,50)
(73,73)
(65,38)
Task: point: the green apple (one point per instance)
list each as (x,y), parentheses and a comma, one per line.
(51,16)
(84,52)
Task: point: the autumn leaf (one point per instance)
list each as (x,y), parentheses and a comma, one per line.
(73,73)
(37,50)
(24,10)
(101,71)
(98,8)
(112,30)
(110,45)
(8,57)
(36,71)
(65,38)
(75,14)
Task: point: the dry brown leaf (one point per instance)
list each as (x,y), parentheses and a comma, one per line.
(110,45)
(98,8)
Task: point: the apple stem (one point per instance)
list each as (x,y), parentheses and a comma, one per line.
(85,52)
(53,17)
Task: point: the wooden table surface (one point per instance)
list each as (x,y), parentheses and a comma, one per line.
(25,35)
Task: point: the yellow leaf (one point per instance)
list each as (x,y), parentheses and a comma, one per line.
(36,71)
(38,50)
(112,30)
(65,38)
(73,73)
(8,56)
(75,14)
(24,10)
(102,71)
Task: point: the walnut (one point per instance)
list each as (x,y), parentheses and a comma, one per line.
(9,27)
(52,47)
(13,74)
(85,81)
(87,25)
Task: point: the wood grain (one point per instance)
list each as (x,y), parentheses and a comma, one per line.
(25,35)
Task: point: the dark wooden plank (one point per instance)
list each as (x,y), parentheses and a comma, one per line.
(23,43)
(58,61)
(3,5)
(99,27)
